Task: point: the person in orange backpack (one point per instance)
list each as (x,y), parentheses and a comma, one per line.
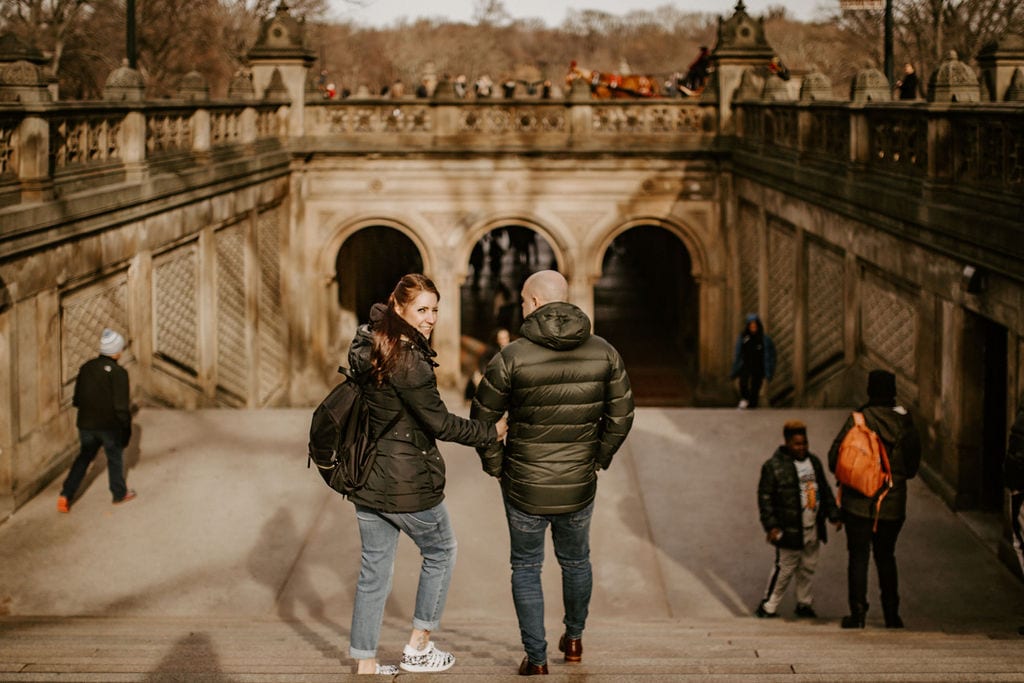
(895,426)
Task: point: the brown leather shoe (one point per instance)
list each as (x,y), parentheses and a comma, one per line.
(572,647)
(529,669)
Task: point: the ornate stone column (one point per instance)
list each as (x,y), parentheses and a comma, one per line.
(281,48)
(741,46)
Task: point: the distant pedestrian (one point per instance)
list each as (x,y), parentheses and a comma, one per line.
(895,426)
(908,84)
(1013,479)
(753,360)
(794,501)
(777,68)
(102,396)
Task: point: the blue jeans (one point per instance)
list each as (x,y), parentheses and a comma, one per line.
(570,533)
(91,440)
(431,531)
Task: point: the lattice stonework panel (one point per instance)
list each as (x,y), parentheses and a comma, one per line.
(824,306)
(175,311)
(781,304)
(232,357)
(888,325)
(83,315)
(271,325)
(749,246)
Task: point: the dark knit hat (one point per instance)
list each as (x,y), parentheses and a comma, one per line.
(881,385)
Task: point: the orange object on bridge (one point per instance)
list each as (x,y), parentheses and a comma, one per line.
(606,86)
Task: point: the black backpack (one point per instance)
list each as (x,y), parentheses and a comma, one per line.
(340,443)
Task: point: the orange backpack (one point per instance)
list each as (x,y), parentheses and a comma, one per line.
(863,464)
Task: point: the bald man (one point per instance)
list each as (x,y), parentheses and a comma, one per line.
(570,408)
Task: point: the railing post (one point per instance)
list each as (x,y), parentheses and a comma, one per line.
(133,146)
(32,164)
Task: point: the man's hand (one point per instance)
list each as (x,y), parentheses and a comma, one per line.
(774,535)
(502,427)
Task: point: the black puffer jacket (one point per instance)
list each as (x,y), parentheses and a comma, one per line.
(1013,466)
(895,427)
(570,408)
(408,474)
(778,499)
(102,396)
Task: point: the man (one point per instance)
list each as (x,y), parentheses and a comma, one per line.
(570,408)
(907,85)
(794,501)
(104,419)
(1013,479)
(895,426)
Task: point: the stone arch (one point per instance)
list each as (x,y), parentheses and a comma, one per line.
(648,300)
(558,242)
(327,254)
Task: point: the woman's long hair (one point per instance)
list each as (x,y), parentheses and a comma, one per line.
(389,331)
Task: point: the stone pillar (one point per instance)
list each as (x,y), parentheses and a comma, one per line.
(33,159)
(8,411)
(953,81)
(741,45)
(281,48)
(999,61)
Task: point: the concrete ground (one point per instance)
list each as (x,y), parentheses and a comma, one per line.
(233,543)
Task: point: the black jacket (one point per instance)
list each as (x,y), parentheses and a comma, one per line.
(1013,466)
(895,427)
(102,396)
(408,474)
(778,499)
(570,408)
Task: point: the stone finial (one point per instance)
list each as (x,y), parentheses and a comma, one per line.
(741,32)
(194,87)
(124,84)
(1015,93)
(816,87)
(22,81)
(241,87)
(750,88)
(775,90)
(953,81)
(281,37)
(870,85)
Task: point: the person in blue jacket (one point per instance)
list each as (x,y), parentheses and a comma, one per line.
(753,360)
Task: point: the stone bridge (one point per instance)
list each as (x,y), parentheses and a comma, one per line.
(237,242)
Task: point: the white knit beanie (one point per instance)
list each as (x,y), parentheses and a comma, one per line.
(111,342)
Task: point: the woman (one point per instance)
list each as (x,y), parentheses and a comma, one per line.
(405,488)
(753,360)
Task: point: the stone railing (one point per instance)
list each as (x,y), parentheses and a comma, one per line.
(977,145)
(48,150)
(617,125)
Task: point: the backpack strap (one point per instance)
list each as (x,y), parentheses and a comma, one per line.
(858,417)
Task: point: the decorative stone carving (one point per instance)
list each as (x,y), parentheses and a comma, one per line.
(276,91)
(775,90)
(194,87)
(1000,60)
(20,72)
(1015,93)
(271,331)
(954,81)
(741,31)
(22,81)
(124,84)
(870,85)
(751,86)
(816,87)
(232,351)
(241,88)
(281,36)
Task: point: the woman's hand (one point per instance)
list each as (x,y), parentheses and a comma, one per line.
(502,427)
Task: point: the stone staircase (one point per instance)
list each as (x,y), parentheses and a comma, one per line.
(218,649)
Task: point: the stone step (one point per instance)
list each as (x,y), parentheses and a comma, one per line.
(202,649)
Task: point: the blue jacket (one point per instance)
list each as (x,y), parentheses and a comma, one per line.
(769,350)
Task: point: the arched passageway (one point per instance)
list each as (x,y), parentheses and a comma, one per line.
(368,265)
(499,263)
(645,304)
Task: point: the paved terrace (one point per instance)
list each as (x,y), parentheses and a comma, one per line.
(237,564)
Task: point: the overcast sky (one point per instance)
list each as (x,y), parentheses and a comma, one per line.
(553,12)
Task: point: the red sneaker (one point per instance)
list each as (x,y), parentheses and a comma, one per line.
(131,495)
(63,505)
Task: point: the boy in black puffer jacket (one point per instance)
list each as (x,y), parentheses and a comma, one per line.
(794,500)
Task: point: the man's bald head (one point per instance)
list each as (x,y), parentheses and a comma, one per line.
(543,287)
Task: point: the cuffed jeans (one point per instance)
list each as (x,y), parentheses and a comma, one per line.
(91,440)
(570,533)
(431,531)
(860,542)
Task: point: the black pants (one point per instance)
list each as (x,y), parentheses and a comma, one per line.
(750,388)
(860,542)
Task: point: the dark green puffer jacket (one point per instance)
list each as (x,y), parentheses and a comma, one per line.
(570,408)
(408,474)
